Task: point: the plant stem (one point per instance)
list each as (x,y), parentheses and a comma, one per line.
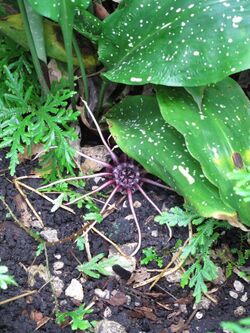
(50,278)
(32,48)
(101,97)
(82,69)
(66,23)
(21,225)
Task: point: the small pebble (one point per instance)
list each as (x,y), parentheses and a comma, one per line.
(57,256)
(107,312)
(107,326)
(183,308)
(105,294)
(98,179)
(58,265)
(154,233)
(174,277)
(75,290)
(221,278)
(199,315)
(58,286)
(128,300)
(204,304)
(239,311)
(49,234)
(129,217)
(137,204)
(238,286)
(233,294)
(244,298)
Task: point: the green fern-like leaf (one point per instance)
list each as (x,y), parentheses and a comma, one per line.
(97,267)
(26,120)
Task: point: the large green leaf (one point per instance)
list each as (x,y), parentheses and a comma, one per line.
(53,8)
(139,129)
(12,26)
(88,25)
(36,28)
(217,133)
(176,42)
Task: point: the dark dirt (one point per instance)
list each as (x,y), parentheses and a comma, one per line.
(17,251)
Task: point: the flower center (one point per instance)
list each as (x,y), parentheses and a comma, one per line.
(127,175)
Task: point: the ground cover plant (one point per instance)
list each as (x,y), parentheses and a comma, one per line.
(159,79)
(5,279)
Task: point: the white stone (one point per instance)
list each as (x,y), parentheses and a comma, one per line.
(244,298)
(238,286)
(50,235)
(105,294)
(129,217)
(128,263)
(137,204)
(129,299)
(107,313)
(57,256)
(174,277)
(58,265)
(199,315)
(58,286)
(239,311)
(154,233)
(233,294)
(109,326)
(204,304)
(221,277)
(75,290)
(183,308)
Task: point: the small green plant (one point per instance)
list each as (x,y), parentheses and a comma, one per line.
(242,326)
(242,186)
(97,266)
(5,278)
(240,257)
(203,269)
(40,248)
(80,243)
(76,319)
(150,255)
(67,192)
(26,120)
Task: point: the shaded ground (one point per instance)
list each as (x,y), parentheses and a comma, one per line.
(155,311)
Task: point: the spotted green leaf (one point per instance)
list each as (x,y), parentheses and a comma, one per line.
(139,129)
(217,133)
(176,43)
(12,27)
(52,8)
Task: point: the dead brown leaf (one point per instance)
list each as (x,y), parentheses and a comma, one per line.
(142,312)
(26,216)
(35,270)
(36,315)
(54,73)
(42,322)
(139,276)
(178,328)
(36,150)
(117,299)
(99,152)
